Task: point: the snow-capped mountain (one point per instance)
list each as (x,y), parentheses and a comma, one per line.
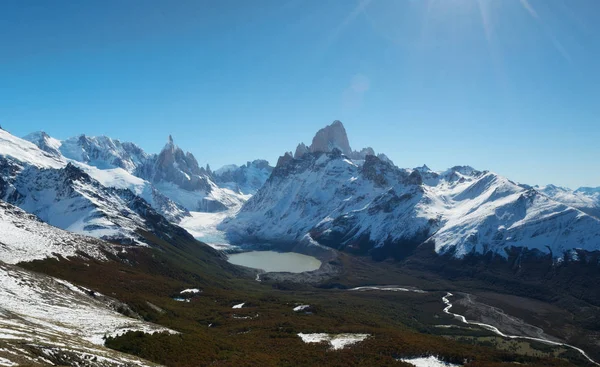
(64,195)
(171,181)
(178,176)
(246,179)
(586,199)
(362,204)
(332,137)
(111,163)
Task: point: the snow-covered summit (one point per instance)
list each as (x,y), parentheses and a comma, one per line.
(45,142)
(103,152)
(24,152)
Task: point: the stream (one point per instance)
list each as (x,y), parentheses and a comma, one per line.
(495,330)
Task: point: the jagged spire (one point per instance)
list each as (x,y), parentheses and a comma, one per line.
(330,137)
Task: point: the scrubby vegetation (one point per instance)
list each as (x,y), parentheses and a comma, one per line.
(264,332)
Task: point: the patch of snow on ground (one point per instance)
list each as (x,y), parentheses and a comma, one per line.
(337,341)
(391,288)
(430,361)
(7,362)
(301,308)
(239,306)
(191,290)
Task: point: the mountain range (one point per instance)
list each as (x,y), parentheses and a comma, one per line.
(328,194)
(108,214)
(324,194)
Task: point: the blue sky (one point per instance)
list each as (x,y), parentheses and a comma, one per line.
(506,85)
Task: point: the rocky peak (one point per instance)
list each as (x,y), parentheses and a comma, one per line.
(301,150)
(284,159)
(73,173)
(375,170)
(330,137)
(174,166)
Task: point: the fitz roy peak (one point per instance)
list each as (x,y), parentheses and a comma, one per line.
(330,195)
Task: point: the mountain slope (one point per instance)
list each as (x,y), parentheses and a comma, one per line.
(371,205)
(59,323)
(586,199)
(25,238)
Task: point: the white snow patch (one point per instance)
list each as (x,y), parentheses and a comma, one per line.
(190,290)
(337,341)
(301,308)
(239,306)
(7,362)
(430,361)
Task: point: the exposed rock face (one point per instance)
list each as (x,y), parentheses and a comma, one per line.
(284,159)
(301,150)
(330,137)
(334,137)
(70,199)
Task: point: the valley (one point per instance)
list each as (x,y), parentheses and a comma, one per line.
(334,257)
